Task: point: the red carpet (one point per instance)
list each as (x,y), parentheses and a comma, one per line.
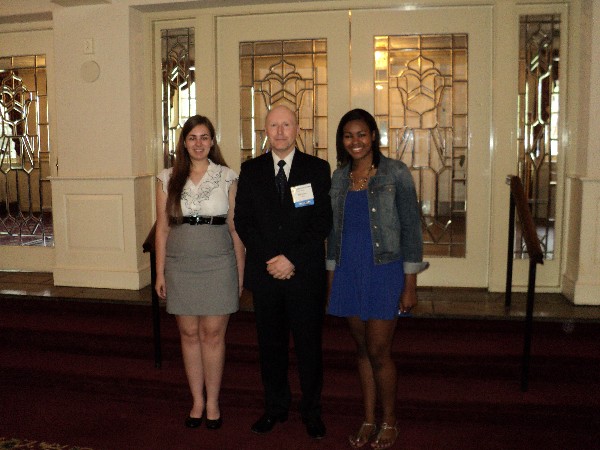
(82,374)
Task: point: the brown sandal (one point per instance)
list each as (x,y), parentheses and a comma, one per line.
(386,437)
(365,433)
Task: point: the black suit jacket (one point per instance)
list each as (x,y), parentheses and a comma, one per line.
(268,228)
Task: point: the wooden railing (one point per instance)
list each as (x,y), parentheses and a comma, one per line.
(148,246)
(518,201)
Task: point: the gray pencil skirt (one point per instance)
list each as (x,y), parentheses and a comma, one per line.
(201,271)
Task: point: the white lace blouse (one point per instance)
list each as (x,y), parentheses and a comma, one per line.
(210,197)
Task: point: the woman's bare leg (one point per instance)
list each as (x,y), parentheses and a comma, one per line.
(189,332)
(212,341)
(367,382)
(379,338)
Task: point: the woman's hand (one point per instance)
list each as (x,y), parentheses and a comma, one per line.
(161,287)
(408,300)
(329,284)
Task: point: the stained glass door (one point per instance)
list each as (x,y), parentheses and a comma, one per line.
(426,75)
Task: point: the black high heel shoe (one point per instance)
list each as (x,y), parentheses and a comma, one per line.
(194,422)
(214,424)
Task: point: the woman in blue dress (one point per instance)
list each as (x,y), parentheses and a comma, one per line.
(374,253)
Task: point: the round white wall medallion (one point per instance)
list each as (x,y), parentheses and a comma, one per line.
(90,71)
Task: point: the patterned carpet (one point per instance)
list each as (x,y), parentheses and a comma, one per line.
(18,444)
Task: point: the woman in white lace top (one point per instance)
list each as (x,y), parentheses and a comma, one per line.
(199,260)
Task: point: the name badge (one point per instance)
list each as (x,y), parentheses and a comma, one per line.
(302,195)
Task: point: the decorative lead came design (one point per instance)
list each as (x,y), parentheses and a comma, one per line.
(421,107)
(178,86)
(538,138)
(25,197)
(291,73)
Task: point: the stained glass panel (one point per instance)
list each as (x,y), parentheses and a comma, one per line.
(25,193)
(537,140)
(291,73)
(421,106)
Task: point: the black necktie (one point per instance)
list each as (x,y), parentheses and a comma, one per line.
(281,180)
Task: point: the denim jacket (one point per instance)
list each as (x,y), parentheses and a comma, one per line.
(393,214)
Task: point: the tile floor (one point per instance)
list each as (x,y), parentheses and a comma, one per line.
(433,302)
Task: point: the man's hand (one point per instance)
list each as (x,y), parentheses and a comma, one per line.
(280,268)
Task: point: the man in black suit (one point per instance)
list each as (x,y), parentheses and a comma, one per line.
(283,215)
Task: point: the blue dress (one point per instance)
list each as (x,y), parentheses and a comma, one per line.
(360,287)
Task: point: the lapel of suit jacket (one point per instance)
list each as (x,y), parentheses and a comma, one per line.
(296,169)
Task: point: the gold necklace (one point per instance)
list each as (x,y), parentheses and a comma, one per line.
(360,183)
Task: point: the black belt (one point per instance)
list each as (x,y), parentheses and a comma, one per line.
(201,220)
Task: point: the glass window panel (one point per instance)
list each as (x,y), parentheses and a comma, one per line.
(178,86)
(459,41)
(23,62)
(413,120)
(429,119)
(26,208)
(247,133)
(32,125)
(264,66)
(459,65)
(298,46)
(245,49)
(246,72)
(320,46)
(459,97)
(421,103)
(538,113)
(445,116)
(44,142)
(304,66)
(289,73)
(436,41)
(395,121)
(381,43)
(381,98)
(306,115)
(441,59)
(321,133)
(428,194)
(320,69)
(421,148)
(268,48)
(459,170)
(459,197)
(41,82)
(246,99)
(321,105)
(460,131)
(400,60)
(402,42)
(444,194)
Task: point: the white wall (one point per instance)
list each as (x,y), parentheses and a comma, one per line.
(103,132)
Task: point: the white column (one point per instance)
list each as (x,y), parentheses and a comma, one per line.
(581,280)
(102,194)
